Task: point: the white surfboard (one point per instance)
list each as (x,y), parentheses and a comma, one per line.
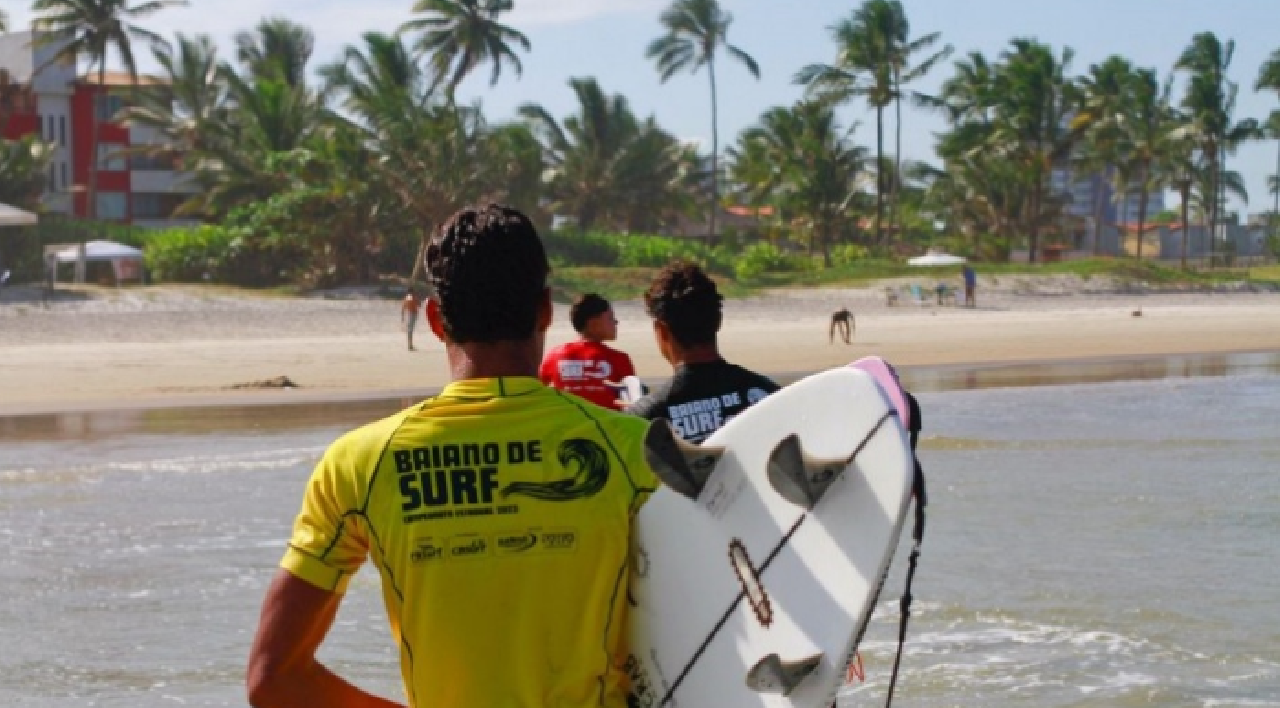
(744,597)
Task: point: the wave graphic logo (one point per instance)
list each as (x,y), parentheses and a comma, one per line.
(592,465)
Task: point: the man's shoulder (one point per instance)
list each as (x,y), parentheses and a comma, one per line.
(747,377)
(370,439)
(650,405)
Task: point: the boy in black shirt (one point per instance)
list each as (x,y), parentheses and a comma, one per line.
(706,391)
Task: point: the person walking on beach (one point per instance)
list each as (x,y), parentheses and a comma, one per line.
(841,320)
(409,308)
(970,286)
(706,391)
(587,366)
(498,513)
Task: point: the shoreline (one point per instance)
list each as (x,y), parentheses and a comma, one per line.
(319,397)
(149,350)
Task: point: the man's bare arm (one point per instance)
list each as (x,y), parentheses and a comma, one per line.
(283,671)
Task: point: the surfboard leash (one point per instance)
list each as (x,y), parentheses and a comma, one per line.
(917,534)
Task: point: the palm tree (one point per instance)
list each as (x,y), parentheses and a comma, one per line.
(606,166)
(1146,139)
(460,35)
(277,47)
(695,31)
(253,153)
(434,156)
(90,28)
(906,71)
(1269,80)
(864,68)
(584,150)
(1031,129)
(1210,101)
(799,160)
(189,107)
(1102,119)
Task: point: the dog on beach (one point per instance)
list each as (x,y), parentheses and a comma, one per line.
(842,320)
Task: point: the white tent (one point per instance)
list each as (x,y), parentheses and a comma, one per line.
(13,216)
(126,261)
(936,258)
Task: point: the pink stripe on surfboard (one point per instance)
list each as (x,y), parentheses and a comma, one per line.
(884,375)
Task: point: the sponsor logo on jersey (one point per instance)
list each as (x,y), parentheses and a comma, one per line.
(467,547)
(578,369)
(515,542)
(564,540)
(426,550)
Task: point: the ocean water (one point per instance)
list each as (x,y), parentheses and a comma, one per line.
(1113,544)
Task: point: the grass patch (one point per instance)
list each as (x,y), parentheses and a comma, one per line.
(623,283)
(609,283)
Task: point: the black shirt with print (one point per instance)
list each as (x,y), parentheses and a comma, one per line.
(701,398)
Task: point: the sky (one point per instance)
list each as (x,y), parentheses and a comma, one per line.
(607,39)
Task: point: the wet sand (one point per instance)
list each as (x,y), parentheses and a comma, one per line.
(164,347)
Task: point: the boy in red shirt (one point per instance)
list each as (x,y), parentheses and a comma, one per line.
(583,367)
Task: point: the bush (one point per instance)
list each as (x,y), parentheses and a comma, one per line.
(190,254)
(848,254)
(764,257)
(567,248)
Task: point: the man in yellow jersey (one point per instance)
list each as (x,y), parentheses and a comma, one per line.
(498,513)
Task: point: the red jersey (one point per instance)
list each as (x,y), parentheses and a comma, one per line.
(582,367)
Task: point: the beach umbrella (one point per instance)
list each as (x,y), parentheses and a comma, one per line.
(936,258)
(13,216)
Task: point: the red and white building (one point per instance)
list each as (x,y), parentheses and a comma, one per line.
(57,104)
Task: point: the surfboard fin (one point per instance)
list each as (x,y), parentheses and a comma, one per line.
(773,675)
(799,478)
(682,466)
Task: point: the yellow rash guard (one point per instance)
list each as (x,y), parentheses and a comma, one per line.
(499,515)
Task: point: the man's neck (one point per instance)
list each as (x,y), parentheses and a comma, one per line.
(488,361)
(698,354)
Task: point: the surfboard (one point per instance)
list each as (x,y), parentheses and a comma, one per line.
(756,567)
(885,375)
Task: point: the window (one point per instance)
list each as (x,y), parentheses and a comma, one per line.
(151,162)
(111,205)
(149,205)
(62,131)
(109,106)
(64,175)
(53,185)
(110,159)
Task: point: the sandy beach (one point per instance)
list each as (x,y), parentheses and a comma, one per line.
(173,346)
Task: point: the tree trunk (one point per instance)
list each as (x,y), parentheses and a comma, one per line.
(1215,164)
(879,174)
(91,196)
(1186,216)
(715,156)
(896,219)
(1142,208)
(1275,210)
(1033,227)
(1097,217)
